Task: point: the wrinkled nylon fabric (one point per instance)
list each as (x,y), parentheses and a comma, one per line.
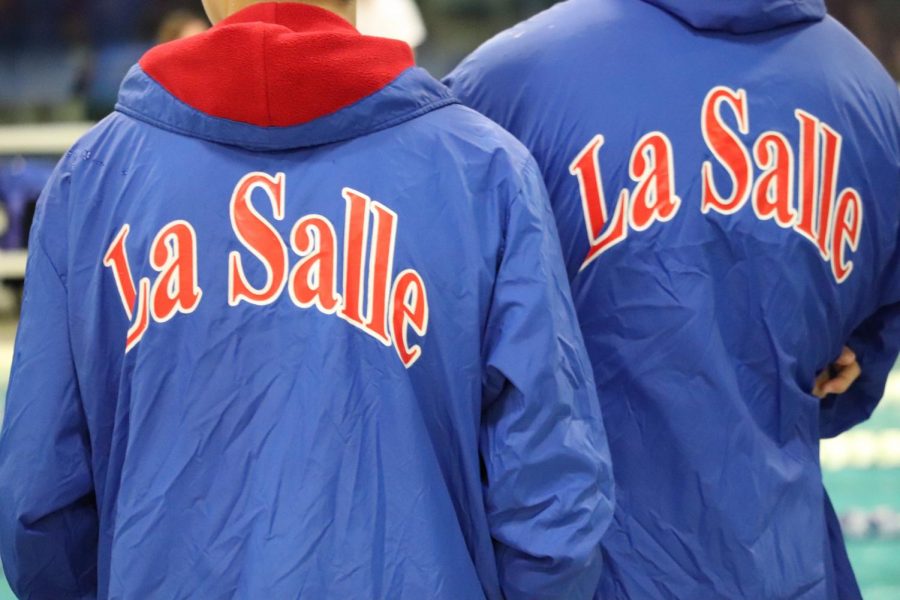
(283,451)
(743,16)
(706,331)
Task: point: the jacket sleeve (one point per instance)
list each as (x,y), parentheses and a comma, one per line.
(549,490)
(876,343)
(48,517)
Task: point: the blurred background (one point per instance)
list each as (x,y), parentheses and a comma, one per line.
(61,62)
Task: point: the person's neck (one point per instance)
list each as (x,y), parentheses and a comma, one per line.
(345,9)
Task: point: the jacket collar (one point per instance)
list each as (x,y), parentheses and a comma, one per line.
(412,94)
(277,76)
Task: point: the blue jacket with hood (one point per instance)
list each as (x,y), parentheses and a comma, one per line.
(725,177)
(296,324)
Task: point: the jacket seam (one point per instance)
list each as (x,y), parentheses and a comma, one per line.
(430,107)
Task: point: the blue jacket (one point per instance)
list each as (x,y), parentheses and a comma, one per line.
(330,359)
(725,177)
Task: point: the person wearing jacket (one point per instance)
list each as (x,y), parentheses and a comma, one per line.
(725,177)
(296,325)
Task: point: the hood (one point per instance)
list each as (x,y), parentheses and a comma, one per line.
(743,16)
(276,76)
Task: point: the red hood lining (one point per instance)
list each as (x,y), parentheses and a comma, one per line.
(277,65)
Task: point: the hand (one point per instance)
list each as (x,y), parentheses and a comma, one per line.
(838,378)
